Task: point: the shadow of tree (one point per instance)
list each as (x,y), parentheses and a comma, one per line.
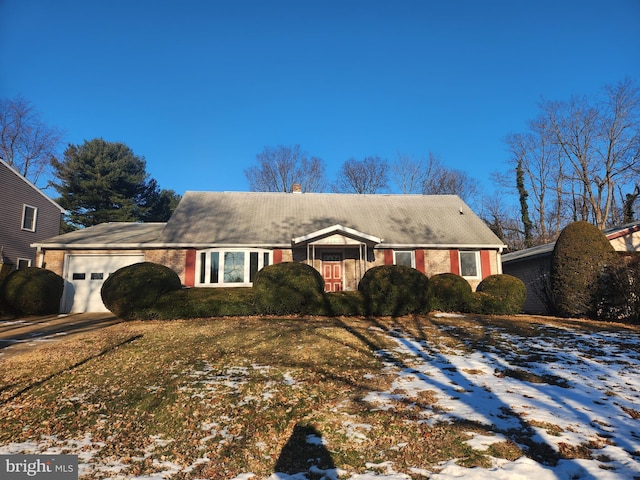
(305,452)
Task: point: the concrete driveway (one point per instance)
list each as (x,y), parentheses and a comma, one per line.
(22,333)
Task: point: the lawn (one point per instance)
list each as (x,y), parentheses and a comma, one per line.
(432,397)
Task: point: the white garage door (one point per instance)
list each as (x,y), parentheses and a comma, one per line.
(84,277)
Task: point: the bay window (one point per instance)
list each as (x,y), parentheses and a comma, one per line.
(230,267)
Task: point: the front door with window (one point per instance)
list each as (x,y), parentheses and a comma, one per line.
(332,271)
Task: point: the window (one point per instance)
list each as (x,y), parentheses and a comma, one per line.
(404,258)
(232,267)
(470,264)
(23,263)
(29,215)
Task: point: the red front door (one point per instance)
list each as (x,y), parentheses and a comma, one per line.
(332,271)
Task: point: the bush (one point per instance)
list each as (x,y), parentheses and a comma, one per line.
(32,291)
(393,290)
(451,293)
(345,304)
(501,295)
(619,291)
(579,258)
(200,303)
(289,288)
(136,287)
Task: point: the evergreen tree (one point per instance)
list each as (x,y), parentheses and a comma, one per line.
(101,181)
(524,207)
(579,258)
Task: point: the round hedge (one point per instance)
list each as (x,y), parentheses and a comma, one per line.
(579,257)
(393,290)
(451,293)
(136,287)
(289,288)
(33,291)
(502,295)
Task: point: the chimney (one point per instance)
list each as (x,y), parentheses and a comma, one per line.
(296,188)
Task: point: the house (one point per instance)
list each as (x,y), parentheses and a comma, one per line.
(221,239)
(533,265)
(26,216)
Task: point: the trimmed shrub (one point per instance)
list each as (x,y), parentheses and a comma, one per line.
(451,293)
(32,291)
(136,287)
(289,288)
(393,290)
(579,257)
(501,295)
(200,303)
(619,291)
(345,304)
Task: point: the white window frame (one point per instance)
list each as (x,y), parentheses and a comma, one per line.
(410,252)
(476,254)
(27,260)
(32,227)
(221,259)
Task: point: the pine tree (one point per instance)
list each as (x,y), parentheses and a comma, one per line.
(101,181)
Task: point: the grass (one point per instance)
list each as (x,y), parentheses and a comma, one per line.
(244,392)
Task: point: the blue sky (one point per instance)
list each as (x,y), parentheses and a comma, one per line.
(200,87)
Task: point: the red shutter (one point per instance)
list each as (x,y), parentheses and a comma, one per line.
(420,261)
(485,263)
(455,261)
(277,256)
(388,257)
(190,268)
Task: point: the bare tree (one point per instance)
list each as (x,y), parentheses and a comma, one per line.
(441,180)
(279,168)
(26,142)
(408,174)
(601,144)
(369,175)
(503,221)
(541,165)
(580,160)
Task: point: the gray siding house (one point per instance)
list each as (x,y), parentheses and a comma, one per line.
(221,239)
(26,216)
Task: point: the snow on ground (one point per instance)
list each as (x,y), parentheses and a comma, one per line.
(591,392)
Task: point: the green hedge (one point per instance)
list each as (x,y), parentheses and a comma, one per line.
(500,295)
(289,288)
(346,304)
(451,293)
(393,290)
(581,254)
(138,286)
(200,303)
(32,291)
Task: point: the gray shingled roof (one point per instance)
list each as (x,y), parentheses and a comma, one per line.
(241,218)
(112,235)
(275,219)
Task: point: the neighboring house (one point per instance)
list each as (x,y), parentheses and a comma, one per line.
(221,239)
(533,265)
(26,216)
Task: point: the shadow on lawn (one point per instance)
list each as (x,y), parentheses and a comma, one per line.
(304,452)
(492,406)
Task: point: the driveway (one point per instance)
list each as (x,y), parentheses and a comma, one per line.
(22,333)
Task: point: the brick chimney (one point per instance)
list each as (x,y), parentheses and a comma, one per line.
(296,188)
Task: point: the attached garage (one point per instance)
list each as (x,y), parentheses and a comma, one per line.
(84,276)
(85,258)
